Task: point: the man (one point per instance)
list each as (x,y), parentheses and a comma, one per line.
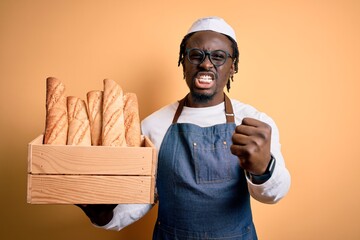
(213,152)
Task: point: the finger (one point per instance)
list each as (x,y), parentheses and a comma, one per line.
(258,126)
(242,154)
(253,122)
(263,131)
(250,122)
(245,130)
(244,151)
(240,139)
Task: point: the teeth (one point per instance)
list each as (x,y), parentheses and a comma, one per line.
(205,78)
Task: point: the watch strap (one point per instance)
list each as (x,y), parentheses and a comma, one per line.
(260,179)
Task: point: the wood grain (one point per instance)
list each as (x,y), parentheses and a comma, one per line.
(56,159)
(83,189)
(91,174)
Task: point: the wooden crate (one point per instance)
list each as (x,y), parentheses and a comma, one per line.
(90,174)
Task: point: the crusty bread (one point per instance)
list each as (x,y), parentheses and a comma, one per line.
(56,125)
(95,104)
(132,120)
(113,131)
(79,126)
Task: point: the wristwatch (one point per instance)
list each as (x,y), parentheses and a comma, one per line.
(260,179)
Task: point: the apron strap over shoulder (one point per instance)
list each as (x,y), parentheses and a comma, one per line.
(229,112)
(179,109)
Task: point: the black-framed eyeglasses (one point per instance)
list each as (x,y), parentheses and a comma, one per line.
(197,56)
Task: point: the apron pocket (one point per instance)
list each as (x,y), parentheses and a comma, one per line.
(212,162)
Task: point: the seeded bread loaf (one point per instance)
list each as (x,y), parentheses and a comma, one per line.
(79,126)
(132,120)
(56,125)
(95,105)
(113,130)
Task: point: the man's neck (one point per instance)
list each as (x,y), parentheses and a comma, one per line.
(197,101)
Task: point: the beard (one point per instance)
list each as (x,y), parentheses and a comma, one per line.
(201,97)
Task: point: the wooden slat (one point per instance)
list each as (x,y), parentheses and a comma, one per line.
(56,159)
(148,143)
(91,175)
(81,189)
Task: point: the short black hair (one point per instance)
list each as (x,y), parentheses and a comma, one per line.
(235,55)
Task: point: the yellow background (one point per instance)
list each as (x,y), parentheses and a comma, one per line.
(299,63)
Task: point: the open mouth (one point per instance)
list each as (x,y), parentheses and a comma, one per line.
(204,80)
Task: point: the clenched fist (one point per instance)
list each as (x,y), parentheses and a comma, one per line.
(251,144)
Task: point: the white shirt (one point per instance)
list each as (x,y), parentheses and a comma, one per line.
(155,127)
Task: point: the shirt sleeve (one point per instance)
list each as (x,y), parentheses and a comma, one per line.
(126,214)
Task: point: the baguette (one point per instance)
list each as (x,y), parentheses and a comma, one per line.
(132,120)
(95,104)
(79,126)
(56,125)
(113,130)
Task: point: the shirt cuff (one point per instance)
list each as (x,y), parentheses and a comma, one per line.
(126,214)
(274,189)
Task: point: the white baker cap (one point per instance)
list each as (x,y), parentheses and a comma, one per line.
(215,24)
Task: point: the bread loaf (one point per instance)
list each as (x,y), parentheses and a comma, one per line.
(113,130)
(132,120)
(56,125)
(79,126)
(95,104)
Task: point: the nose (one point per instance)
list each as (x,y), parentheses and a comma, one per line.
(206,63)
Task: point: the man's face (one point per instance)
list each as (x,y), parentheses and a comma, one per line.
(205,80)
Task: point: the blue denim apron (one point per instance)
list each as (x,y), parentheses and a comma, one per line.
(202,190)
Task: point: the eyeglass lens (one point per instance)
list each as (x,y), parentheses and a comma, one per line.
(217,57)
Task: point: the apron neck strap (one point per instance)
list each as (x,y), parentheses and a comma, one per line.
(179,109)
(229,112)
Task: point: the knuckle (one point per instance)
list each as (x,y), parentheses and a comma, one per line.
(267,128)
